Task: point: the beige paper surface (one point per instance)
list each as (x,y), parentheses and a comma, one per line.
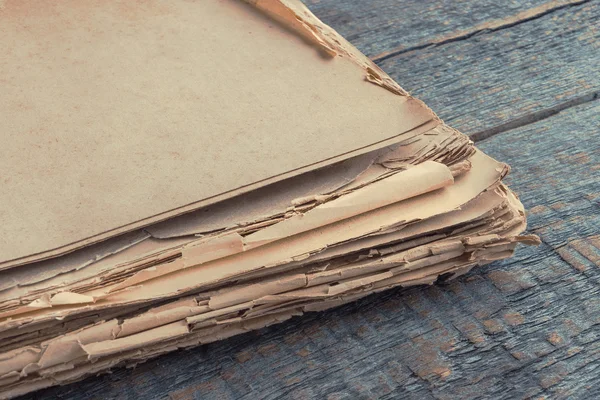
(268,167)
(179,274)
(160,114)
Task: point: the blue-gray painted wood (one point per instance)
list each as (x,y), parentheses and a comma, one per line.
(380,27)
(490,79)
(479,84)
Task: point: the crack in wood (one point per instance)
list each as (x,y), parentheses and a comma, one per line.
(487,27)
(534,117)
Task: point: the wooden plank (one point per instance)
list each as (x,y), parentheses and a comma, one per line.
(489,82)
(483,66)
(528,327)
(380,28)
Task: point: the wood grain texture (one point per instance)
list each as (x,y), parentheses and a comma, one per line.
(382,27)
(528,327)
(480,83)
(490,79)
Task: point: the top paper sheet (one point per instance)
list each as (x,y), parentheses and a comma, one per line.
(119,114)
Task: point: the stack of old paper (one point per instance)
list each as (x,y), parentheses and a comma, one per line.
(175,173)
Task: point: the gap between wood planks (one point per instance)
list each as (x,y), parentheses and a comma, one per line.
(497,25)
(491,26)
(534,116)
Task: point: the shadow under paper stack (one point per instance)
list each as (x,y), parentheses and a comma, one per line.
(179,173)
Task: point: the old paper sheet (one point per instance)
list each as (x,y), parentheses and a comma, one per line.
(165,115)
(182,172)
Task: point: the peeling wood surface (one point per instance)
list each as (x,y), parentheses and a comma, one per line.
(528,327)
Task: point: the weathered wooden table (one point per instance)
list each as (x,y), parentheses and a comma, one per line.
(523,79)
